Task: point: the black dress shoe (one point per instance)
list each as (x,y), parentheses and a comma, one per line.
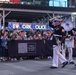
(71,62)
(64,64)
(53,67)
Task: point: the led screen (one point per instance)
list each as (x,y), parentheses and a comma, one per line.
(58,3)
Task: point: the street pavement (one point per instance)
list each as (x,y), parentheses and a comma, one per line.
(35,67)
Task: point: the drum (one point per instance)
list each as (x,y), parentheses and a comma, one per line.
(69,43)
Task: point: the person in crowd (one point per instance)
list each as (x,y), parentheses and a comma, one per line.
(25,35)
(0,46)
(4,40)
(39,36)
(2,32)
(36,36)
(13,35)
(49,35)
(6,29)
(32,32)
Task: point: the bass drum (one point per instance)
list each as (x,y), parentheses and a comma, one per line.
(67,25)
(69,43)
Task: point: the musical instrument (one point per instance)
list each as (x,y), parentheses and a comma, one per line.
(68,26)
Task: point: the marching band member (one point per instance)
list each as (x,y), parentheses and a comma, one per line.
(69,40)
(70,46)
(58,30)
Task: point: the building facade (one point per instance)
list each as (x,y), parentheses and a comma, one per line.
(56,3)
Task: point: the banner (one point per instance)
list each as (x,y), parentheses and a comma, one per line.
(26,26)
(32,48)
(29,48)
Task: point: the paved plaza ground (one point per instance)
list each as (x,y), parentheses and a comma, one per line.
(35,67)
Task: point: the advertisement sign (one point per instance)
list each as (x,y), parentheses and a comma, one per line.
(13,25)
(14,1)
(58,3)
(39,26)
(26,26)
(4,0)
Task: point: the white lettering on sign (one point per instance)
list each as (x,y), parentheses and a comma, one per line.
(40,26)
(26,26)
(15,25)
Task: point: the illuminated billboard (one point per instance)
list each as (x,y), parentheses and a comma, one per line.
(26,26)
(58,3)
(14,1)
(10,1)
(4,0)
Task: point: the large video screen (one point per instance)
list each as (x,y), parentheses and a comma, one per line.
(58,3)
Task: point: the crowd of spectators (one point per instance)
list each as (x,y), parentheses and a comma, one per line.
(6,35)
